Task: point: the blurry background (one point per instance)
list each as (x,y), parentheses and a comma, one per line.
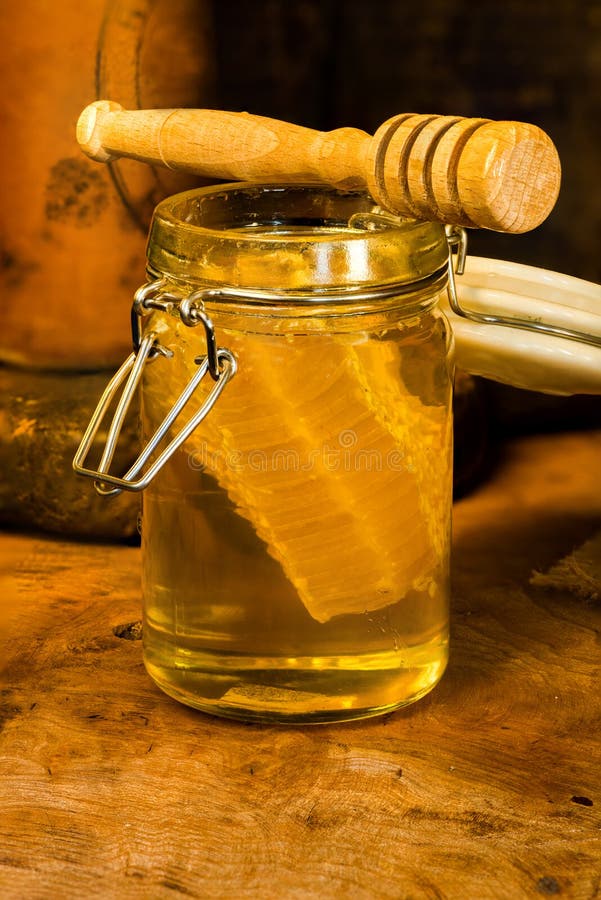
(72,233)
(330,63)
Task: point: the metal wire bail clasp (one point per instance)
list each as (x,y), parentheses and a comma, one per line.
(457,240)
(219,362)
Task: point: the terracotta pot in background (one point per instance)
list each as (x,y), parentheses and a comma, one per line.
(73,232)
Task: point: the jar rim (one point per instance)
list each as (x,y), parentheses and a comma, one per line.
(290,238)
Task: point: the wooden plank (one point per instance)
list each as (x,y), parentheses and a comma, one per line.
(488,788)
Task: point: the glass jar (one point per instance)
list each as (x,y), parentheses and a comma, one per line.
(296,545)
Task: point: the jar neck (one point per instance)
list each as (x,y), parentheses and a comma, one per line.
(293,241)
(406,299)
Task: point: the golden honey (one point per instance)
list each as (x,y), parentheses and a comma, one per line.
(296,547)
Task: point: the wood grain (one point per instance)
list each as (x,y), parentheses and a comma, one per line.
(489,788)
(502,175)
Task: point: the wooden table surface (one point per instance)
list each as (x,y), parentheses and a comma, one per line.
(488,788)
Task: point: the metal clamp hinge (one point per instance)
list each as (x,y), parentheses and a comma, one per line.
(219,362)
(457,241)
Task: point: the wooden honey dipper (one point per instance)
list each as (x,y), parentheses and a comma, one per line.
(473,172)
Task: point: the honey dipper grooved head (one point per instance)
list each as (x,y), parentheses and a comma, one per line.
(473,172)
(508,176)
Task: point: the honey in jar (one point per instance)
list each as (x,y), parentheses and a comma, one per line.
(296,543)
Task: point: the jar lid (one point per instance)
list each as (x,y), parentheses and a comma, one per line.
(560,353)
(290,238)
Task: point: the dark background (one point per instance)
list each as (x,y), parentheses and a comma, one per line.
(330,63)
(333,63)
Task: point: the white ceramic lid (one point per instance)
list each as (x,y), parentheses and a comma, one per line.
(527,359)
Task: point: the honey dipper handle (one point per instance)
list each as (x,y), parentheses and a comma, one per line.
(498,175)
(221,144)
